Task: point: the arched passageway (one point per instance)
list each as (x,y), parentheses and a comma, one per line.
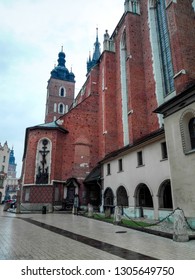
(122,198)
(108,197)
(165,195)
(143,196)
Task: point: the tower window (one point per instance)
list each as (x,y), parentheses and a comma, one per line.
(62,92)
(61,109)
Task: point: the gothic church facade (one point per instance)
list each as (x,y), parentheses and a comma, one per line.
(128,137)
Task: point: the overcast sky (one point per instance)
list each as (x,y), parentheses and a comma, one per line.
(31,35)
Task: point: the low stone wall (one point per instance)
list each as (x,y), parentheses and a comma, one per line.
(31,207)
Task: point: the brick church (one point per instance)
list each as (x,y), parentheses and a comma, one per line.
(128,138)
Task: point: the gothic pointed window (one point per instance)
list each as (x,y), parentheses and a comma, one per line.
(165,49)
(124,91)
(43,161)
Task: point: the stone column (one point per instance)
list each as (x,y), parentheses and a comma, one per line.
(180,233)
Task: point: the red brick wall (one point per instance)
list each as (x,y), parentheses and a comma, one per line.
(80,148)
(149,83)
(181,21)
(140,79)
(41,194)
(108,107)
(57,140)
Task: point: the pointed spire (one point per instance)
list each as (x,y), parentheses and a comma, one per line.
(61,58)
(96,54)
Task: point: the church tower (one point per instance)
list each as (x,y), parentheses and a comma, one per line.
(60,90)
(12,165)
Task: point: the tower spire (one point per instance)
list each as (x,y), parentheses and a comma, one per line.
(60,71)
(96,54)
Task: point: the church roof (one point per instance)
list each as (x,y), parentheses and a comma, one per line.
(51,125)
(131,147)
(94,175)
(48,126)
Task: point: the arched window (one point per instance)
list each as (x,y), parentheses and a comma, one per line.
(192,132)
(124,92)
(165,196)
(62,92)
(122,198)
(187,127)
(166,59)
(61,108)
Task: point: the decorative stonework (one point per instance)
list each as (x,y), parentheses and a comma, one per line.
(42,173)
(132,6)
(152,4)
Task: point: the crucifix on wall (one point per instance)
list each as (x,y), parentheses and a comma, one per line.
(42,175)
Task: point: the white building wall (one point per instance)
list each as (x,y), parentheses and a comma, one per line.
(182,163)
(153,173)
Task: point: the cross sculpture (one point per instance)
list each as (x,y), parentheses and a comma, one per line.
(42,176)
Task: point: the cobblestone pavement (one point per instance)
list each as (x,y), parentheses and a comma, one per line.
(65,236)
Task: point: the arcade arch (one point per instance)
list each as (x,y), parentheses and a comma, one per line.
(121,196)
(143,196)
(164,195)
(108,197)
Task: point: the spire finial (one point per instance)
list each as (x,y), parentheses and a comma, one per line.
(96,53)
(62,48)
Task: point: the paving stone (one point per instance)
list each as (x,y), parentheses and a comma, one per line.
(23,240)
